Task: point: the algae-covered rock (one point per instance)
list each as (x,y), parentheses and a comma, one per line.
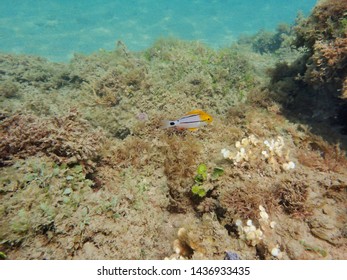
(313,87)
(9,89)
(65,140)
(36,206)
(86,172)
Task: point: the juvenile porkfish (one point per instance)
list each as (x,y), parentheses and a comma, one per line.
(192,121)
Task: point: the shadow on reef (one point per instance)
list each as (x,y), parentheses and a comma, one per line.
(313,89)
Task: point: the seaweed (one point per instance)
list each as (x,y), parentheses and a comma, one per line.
(37,194)
(323,33)
(132,151)
(318,154)
(180,157)
(242,202)
(292,197)
(203,180)
(9,89)
(269,42)
(38,72)
(66,140)
(313,87)
(312,248)
(87,172)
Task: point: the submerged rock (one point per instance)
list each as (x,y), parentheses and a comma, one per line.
(231,256)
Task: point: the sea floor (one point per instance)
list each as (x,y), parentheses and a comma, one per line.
(86,172)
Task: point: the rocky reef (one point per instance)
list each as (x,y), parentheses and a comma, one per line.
(86,172)
(317,78)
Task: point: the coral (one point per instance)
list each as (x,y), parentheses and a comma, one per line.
(261,237)
(66,140)
(249,233)
(202,239)
(251,151)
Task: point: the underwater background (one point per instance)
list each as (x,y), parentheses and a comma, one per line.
(57,29)
(87,170)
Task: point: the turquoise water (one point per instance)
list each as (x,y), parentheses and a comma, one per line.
(58,28)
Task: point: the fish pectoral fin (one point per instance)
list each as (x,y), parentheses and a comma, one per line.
(193,129)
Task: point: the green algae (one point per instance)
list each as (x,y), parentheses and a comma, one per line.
(8,89)
(202,179)
(201,173)
(217,172)
(34,189)
(3,256)
(316,249)
(199,190)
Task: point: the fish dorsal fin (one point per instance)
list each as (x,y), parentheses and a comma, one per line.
(197,111)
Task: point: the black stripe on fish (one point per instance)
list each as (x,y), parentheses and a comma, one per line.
(192,122)
(189,116)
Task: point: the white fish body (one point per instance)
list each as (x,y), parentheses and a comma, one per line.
(192,122)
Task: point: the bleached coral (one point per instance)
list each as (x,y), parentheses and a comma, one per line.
(244,150)
(272,224)
(288,165)
(268,226)
(252,149)
(187,244)
(263,215)
(249,233)
(264,234)
(275,147)
(264,221)
(226,153)
(276,252)
(273,150)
